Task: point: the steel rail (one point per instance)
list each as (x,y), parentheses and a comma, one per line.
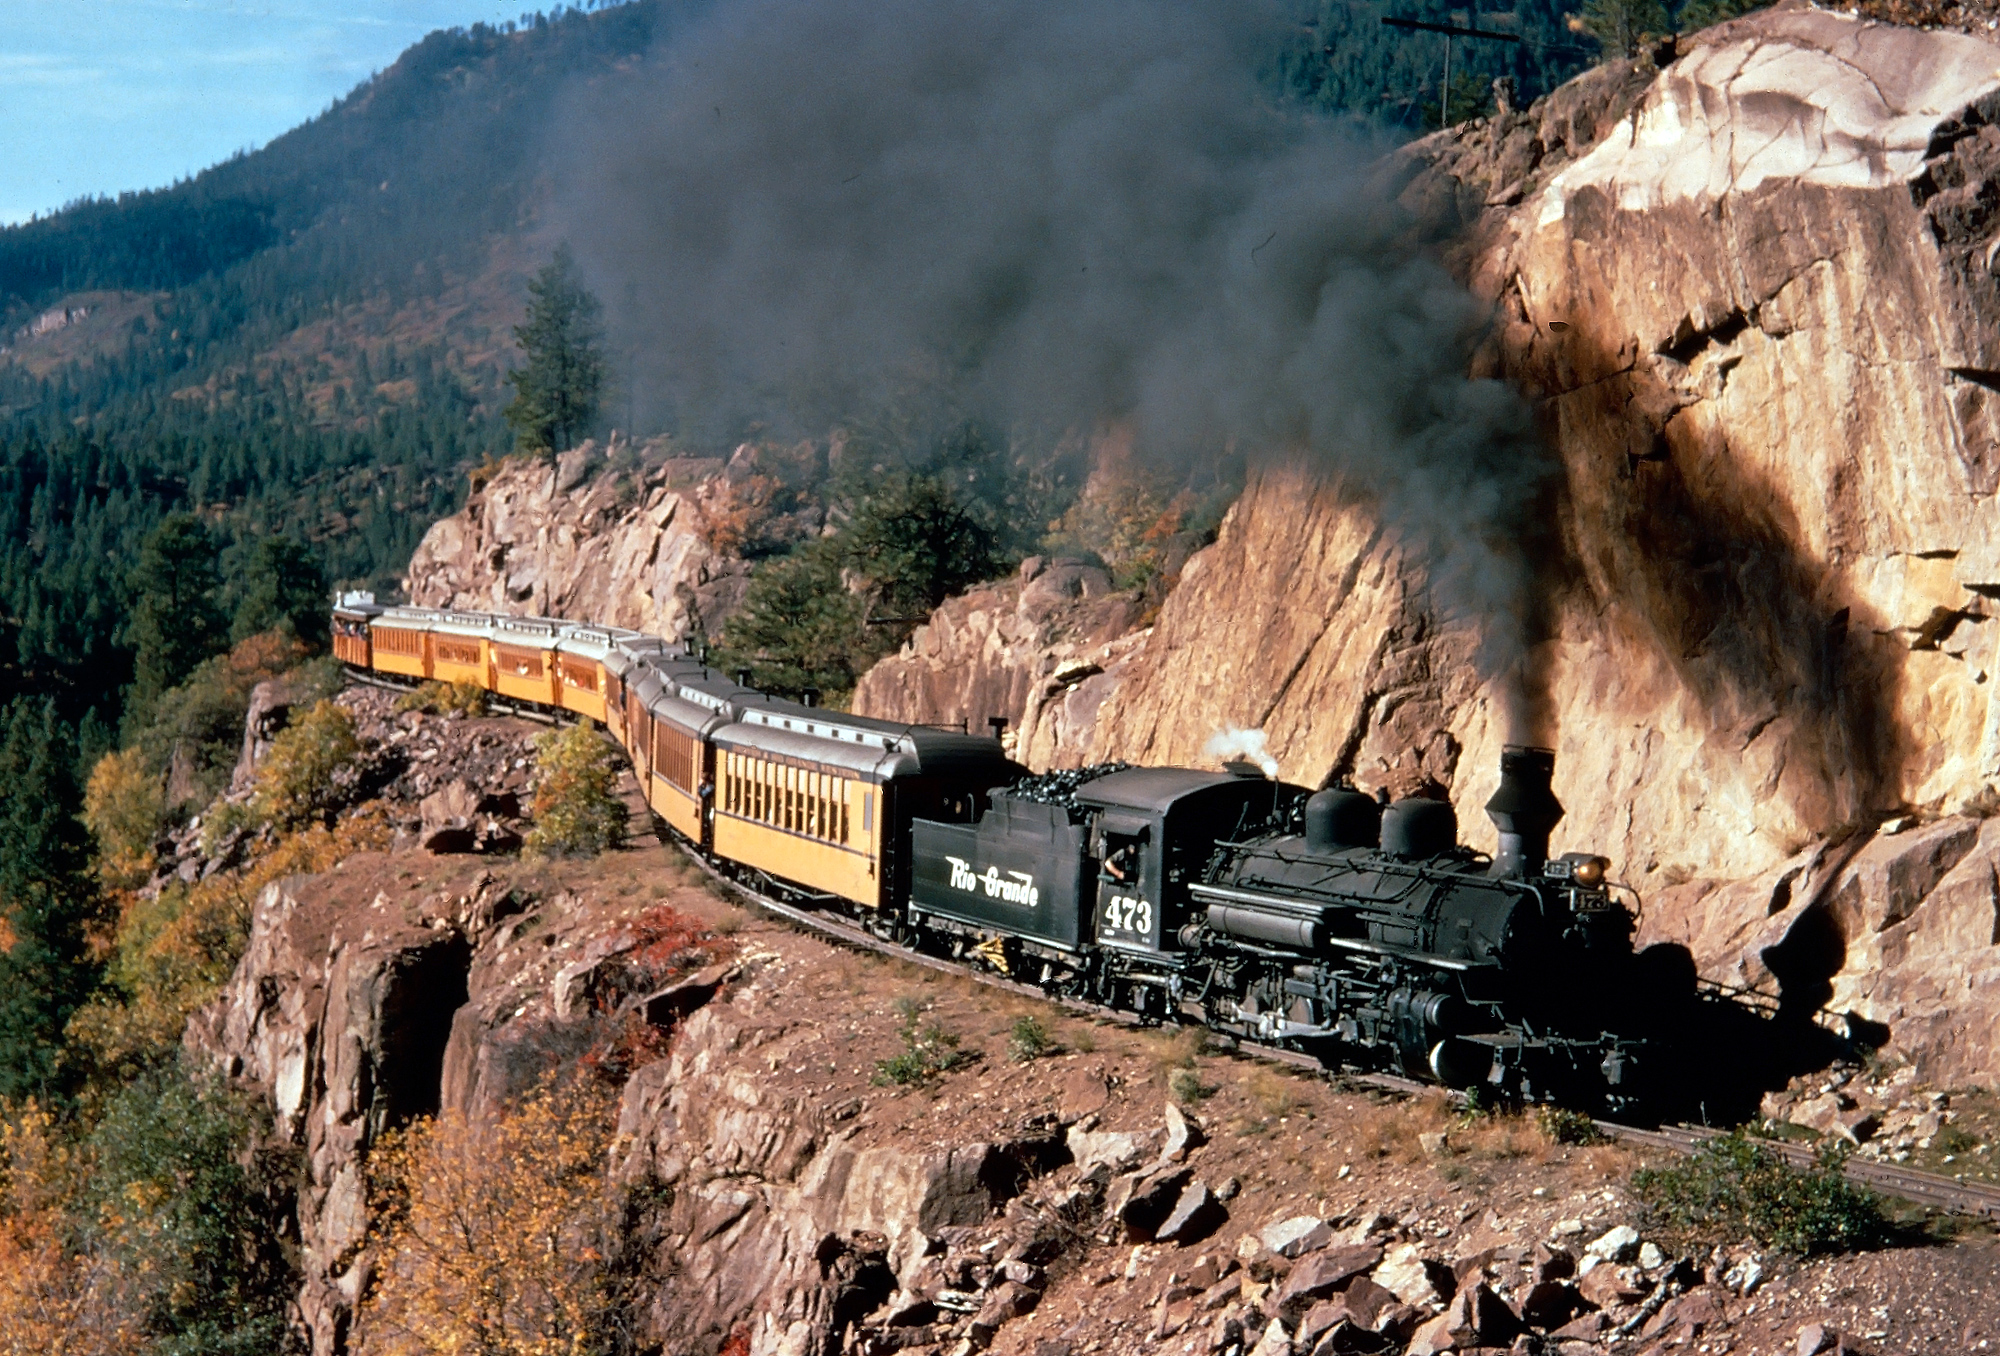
(1928,1189)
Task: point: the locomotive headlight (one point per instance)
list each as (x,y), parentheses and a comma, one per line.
(1581,867)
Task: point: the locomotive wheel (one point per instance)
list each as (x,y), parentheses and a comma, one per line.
(1459,1063)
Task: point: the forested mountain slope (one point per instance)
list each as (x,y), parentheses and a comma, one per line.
(306,340)
(310,339)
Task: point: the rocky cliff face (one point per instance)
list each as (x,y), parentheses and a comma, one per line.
(1753,296)
(644,540)
(1039,649)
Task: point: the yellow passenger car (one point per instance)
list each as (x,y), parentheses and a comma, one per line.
(803,811)
(822,800)
(400,646)
(459,650)
(524,659)
(579,670)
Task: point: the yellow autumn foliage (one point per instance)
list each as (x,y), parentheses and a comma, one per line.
(58,1296)
(122,806)
(444,699)
(490,1232)
(298,781)
(173,953)
(577,809)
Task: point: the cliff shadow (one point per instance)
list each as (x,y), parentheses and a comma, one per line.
(1705,559)
(1666,525)
(422,989)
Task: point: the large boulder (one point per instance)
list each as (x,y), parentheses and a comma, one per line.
(657,547)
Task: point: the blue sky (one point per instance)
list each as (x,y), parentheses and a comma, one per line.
(100,96)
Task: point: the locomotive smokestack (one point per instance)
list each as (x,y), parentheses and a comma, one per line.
(1524,809)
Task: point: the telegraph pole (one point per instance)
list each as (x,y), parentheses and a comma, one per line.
(1450,31)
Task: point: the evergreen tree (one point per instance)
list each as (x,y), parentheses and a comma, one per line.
(286,588)
(799,627)
(175,621)
(557,391)
(1621,26)
(46,897)
(916,544)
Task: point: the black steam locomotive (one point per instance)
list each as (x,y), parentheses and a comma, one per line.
(1329,922)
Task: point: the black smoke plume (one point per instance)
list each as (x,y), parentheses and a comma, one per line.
(1079,212)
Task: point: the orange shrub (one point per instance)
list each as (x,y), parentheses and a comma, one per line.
(490,1233)
(58,1297)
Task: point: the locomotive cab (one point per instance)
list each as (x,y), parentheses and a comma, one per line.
(1094,861)
(1156,829)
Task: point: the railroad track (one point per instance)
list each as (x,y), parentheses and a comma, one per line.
(1930,1190)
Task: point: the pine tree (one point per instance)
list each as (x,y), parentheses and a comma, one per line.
(175,622)
(1622,26)
(46,897)
(286,589)
(557,391)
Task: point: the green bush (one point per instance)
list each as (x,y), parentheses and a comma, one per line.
(190,736)
(300,780)
(929,1051)
(1563,1126)
(1732,1188)
(577,809)
(1030,1039)
(192,1215)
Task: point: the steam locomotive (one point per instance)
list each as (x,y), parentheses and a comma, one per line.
(1327,922)
(1324,921)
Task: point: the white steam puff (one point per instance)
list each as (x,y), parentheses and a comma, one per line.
(1249,745)
(1068,214)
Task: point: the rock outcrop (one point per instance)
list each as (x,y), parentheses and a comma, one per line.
(1753,295)
(1040,649)
(650,542)
(341,1015)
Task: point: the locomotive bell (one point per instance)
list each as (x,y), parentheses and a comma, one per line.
(1524,809)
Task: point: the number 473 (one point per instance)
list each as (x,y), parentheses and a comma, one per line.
(1123,913)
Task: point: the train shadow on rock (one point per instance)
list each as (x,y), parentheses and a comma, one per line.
(1359,932)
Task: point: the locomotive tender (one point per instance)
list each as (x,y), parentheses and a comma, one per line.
(1322,921)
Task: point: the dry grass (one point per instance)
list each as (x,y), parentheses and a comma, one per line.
(1275,1092)
(1174,1048)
